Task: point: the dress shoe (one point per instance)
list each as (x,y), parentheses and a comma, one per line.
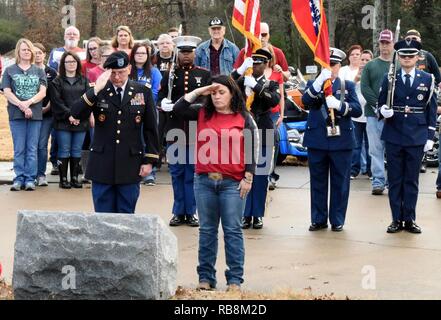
(377,191)
(257,223)
(192,220)
(412,227)
(246,222)
(177,221)
(337,228)
(394,227)
(318,226)
(438,194)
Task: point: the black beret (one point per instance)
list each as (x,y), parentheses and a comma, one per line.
(117,60)
(261,56)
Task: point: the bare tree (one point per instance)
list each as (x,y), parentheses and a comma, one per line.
(94,18)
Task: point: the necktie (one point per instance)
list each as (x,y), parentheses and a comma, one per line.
(407,82)
(118,93)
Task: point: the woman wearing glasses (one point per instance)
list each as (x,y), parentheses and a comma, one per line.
(65,90)
(93,56)
(144,73)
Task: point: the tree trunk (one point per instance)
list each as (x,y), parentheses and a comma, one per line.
(389,22)
(94,19)
(332,22)
(182,15)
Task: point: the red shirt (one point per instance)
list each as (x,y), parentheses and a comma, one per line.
(277,77)
(221,134)
(95,73)
(280,58)
(86,66)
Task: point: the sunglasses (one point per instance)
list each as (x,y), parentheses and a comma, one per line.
(93,49)
(264,35)
(412,38)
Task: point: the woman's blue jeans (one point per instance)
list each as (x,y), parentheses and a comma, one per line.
(25,134)
(70,143)
(219,201)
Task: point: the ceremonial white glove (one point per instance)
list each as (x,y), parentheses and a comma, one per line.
(333,103)
(429,145)
(247,63)
(386,112)
(167,105)
(320,80)
(250,82)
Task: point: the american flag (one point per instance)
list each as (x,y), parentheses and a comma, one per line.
(246,19)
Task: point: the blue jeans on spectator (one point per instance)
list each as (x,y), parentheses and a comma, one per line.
(374,129)
(360,137)
(45,131)
(25,134)
(70,143)
(219,201)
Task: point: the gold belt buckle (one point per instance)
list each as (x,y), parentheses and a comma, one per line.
(215,176)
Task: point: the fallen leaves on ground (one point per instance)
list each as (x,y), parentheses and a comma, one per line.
(5,291)
(193,294)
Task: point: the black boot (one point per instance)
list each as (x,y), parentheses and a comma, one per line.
(74,171)
(62,168)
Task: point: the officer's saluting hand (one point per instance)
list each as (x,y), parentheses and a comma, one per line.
(102,80)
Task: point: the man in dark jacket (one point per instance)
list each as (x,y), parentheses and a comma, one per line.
(123,111)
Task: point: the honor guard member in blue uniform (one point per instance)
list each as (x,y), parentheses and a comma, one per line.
(124,110)
(408,132)
(186,78)
(266,97)
(330,145)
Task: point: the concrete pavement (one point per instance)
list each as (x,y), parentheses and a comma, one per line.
(361,262)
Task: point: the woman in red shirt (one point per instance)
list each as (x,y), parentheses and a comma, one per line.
(226,152)
(93,56)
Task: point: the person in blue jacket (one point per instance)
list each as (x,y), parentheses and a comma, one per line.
(330,144)
(409,130)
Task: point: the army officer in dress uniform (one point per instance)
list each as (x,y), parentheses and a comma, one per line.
(408,131)
(124,110)
(330,144)
(186,78)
